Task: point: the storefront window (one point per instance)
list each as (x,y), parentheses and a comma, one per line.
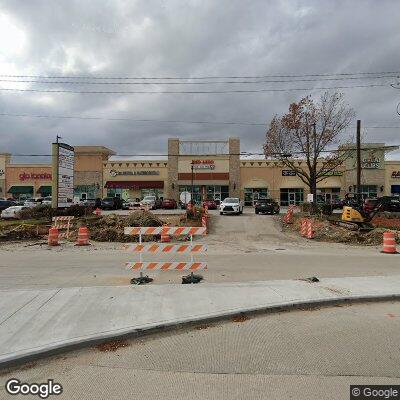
(369,191)
(202,192)
(152,192)
(253,194)
(395,190)
(291,196)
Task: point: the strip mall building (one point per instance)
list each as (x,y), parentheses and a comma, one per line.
(214,168)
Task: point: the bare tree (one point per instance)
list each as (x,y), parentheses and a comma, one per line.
(308,132)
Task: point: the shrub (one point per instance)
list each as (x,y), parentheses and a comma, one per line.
(38,212)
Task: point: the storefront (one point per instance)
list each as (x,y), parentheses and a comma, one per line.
(26,181)
(134,179)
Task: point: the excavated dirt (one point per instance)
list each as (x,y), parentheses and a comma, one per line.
(326,231)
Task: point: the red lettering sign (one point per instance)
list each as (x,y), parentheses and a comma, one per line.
(202,161)
(24,176)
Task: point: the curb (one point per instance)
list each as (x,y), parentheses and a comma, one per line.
(22,357)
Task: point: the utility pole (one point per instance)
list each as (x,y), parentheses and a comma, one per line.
(358,160)
(192,166)
(58,137)
(314,188)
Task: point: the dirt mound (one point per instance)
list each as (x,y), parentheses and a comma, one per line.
(326,231)
(20,232)
(110,228)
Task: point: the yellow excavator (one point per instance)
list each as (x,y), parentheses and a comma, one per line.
(355,216)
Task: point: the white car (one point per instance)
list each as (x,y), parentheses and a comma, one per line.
(12,212)
(30,203)
(231,205)
(149,201)
(47,201)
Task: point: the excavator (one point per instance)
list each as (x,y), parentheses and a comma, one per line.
(355,216)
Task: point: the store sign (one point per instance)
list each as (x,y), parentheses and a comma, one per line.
(203,164)
(25,176)
(370,163)
(333,173)
(65,184)
(288,172)
(1,172)
(396,174)
(114,173)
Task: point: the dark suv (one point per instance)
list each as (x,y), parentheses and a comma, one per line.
(266,206)
(111,203)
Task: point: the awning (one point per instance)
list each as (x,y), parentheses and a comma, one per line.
(21,190)
(44,190)
(134,185)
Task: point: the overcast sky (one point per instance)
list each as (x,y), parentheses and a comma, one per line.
(187,39)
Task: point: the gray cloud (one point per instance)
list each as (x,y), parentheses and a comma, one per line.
(189,38)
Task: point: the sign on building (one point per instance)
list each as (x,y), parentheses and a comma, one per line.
(203,164)
(288,172)
(63,175)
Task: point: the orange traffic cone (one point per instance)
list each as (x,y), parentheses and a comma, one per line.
(83,236)
(53,236)
(97,211)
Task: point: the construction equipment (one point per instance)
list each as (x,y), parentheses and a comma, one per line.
(355,216)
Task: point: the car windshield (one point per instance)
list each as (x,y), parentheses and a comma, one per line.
(231,200)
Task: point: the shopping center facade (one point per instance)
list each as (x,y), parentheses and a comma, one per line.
(208,169)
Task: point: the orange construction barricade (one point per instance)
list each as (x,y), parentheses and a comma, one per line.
(83,236)
(53,236)
(389,243)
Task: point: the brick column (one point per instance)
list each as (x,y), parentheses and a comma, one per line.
(172,189)
(234,167)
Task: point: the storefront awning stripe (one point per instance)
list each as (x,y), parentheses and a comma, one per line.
(136,185)
(21,190)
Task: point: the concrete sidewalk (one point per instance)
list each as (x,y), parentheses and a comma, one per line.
(34,322)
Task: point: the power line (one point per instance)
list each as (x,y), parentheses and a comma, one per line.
(199,77)
(190,91)
(263,124)
(195,83)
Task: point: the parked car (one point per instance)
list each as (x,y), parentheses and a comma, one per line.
(5,204)
(46,201)
(88,202)
(231,205)
(337,204)
(211,204)
(12,212)
(169,204)
(31,203)
(369,204)
(149,201)
(125,205)
(133,203)
(111,203)
(390,203)
(266,206)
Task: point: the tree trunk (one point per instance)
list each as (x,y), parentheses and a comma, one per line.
(313,191)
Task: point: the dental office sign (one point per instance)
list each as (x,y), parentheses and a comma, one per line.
(203,164)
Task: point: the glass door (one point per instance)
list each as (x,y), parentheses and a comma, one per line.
(292,199)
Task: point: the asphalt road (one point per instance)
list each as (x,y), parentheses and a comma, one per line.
(241,248)
(303,354)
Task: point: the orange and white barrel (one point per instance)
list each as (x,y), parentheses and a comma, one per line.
(53,236)
(310,230)
(389,243)
(83,236)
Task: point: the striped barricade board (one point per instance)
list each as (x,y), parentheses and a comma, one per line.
(163,266)
(63,222)
(166,248)
(165,230)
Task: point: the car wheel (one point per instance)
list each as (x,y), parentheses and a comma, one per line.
(221,213)
(257,211)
